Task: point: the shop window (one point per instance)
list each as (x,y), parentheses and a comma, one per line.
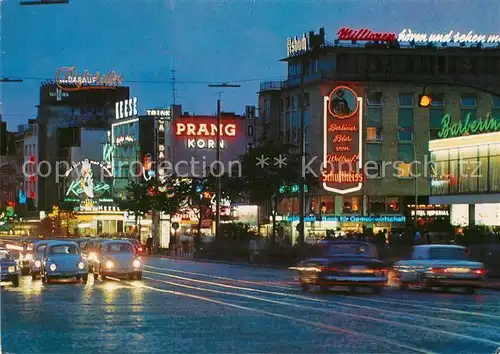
(376,205)
(393,205)
(494,167)
(327,205)
(351,205)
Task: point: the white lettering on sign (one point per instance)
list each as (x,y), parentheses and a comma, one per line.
(407,35)
(126,109)
(203,129)
(296,45)
(204,144)
(165,112)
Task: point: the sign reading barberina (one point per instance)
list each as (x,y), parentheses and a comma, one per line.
(203,134)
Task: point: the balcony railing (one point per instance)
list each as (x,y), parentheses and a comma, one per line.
(271,86)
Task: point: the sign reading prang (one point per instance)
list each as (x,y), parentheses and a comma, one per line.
(342,170)
(203,134)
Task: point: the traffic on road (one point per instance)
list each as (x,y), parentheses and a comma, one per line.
(167,305)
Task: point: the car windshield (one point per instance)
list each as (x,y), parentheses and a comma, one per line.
(118,248)
(41,248)
(455,253)
(4,255)
(64,249)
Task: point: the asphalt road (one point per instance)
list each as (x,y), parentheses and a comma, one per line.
(193,307)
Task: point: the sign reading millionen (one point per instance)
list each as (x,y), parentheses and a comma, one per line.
(343,140)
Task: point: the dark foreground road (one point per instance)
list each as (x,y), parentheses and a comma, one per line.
(191,307)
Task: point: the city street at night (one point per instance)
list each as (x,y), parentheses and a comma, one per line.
(196,307)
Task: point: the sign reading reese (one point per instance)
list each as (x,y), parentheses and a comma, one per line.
(126,109)
(203,135)
(342,141)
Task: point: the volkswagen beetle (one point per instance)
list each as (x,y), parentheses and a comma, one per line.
(118,258)
(63,260)
(9,267)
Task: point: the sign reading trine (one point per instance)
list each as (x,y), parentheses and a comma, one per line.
(69,79)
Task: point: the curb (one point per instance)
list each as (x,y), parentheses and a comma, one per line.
(204,260)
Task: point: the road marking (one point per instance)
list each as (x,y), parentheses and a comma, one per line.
(291,318)
(330,311)
(314,299)
(221,278)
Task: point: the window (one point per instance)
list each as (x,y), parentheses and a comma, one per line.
(468,110)
(405,100)
(306,99)
(327,205)
(373,166)
(437,100)
(374,134)
(287,103)
(404,170)
(405,152)
(376,205)
(495,107)
(494,167)
(436,114)
(374,98)
(405,134)
(351,205)
(393,205)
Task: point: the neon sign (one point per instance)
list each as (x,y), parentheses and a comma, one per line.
(124,139)
(126,109)
(77,188)
(147,165)
(162,175)
(342,141)
(407,35)
(364,34)
(164,112)
(68,79)
(470,126)
(296,45)
(203,129)
(105,168)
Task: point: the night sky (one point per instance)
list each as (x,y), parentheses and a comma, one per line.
(209,41)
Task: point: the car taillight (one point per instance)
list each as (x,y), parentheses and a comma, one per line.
(479,271)
(439,270)
(140,249)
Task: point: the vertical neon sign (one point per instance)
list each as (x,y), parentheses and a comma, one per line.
(342,170)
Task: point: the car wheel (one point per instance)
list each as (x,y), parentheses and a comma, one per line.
(139,275)
(33,276)
(470,290)
(324,288)
(85,278)
(15,281)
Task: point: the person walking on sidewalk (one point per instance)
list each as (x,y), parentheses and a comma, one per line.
(149,244)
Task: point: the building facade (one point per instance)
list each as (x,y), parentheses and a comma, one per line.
(388,146)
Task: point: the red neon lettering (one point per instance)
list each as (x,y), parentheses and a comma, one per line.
(203,129)
(332,128)
(341,138)
(341,177)
(365,34)
(332,158)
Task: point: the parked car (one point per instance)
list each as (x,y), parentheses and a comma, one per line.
(37,258)
(118,258)
(10,270)
(438,265)
(63,259)
(343,263)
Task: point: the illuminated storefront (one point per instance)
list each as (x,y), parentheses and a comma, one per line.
(466,169)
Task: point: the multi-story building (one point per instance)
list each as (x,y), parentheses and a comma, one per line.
(375,125)
(27,146)
(10,169)
(61,117)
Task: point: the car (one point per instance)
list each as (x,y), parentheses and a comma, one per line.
(36,260)
(118,258)
(9,268)
(440,265)
(89,251)
(25,257)
(63,260)
(348,263)
(139,248)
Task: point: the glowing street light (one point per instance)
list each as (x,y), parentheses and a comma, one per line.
(424,101)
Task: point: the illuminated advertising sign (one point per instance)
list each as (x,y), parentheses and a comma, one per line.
(160,144)
(407,35)
(343,140)
(126,109)
(468,127)
(59,94)
(124,139)
(69,79)
(84,185)
(161,112)
(353,218)
(203,135)
(296,45)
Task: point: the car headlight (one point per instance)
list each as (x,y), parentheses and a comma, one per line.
(11,269)
(92,256)
(81,265)
(38,264)
(109,264)
(136,263)
(53,267)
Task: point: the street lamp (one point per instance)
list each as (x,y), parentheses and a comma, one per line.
(217,158)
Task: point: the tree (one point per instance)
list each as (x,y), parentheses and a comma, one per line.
(138,199)
(266,169)
(66,214)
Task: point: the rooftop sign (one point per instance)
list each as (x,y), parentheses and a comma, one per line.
(69,79)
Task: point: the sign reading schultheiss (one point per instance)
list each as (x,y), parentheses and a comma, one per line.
(342,171)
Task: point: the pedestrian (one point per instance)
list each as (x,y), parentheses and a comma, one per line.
(149,244)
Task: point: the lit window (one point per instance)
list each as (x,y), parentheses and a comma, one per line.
(404,170)
(373,134)
(393,204)
(351,205)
